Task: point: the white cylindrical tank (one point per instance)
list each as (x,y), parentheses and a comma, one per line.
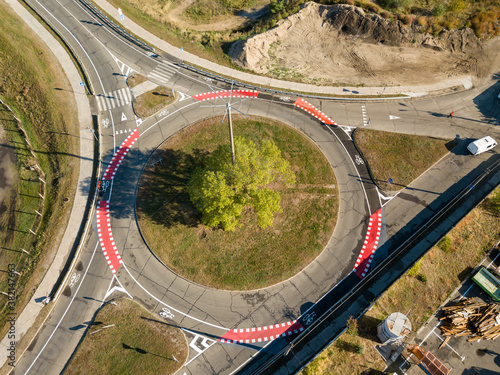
(394,327)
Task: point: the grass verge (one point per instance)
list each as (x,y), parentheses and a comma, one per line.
(401,157)
(420,292)
(150,102)
(137,343)
(249,257)
(29,76)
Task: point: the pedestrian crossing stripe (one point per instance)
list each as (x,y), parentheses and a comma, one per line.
(162,73)
(114,99)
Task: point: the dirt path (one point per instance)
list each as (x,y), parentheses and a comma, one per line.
(175,14)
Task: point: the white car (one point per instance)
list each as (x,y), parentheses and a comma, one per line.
(481,145)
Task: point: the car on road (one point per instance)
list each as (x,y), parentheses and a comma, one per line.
(481,145)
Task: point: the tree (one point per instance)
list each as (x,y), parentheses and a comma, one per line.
(222,190)
(277,6)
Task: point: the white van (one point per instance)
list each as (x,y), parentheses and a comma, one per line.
(481,145)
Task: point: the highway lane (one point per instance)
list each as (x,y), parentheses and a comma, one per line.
(146,269)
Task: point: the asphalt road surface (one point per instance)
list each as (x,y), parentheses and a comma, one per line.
(225,329)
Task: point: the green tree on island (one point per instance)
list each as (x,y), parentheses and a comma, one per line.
(222,190)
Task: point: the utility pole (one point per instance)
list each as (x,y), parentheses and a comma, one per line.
(231,131)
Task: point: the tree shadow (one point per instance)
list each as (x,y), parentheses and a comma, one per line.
(346,346)
(142,351)
(162,193)
(367,327)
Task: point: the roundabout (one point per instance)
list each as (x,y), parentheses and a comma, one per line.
(250,257)
(252,318)
(226,328)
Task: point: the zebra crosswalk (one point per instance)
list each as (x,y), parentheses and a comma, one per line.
(162,73)
(114,99)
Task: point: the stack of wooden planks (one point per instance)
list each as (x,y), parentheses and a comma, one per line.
(473,318)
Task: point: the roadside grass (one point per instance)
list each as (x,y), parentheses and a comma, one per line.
(29,76)
(151,17)
(400,157)
(138,343)
(153,101)
(249,257)
(350,354)
(135,80)
(421,291)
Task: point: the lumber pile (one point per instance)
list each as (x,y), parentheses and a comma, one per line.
(473,318)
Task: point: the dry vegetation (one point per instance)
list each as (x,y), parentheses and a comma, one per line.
(29,75)
(226,21)
(420,292)
(138,343)
(153,101)
(250,257)
(398,156)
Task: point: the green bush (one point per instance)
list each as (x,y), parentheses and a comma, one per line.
(277,6)
(422,277)
(457,6)
(414,270)
(359,349)
(445,244)
(439,10)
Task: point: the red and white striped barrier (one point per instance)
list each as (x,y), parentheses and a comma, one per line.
(117,158)
(104,233)
(226,94)
(261,334)
(367,253)
(106,240)
(312,110)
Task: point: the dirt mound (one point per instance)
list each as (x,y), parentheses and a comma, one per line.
(342,44)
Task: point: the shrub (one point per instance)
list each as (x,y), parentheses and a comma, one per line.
(457,6)
(414,270)
(422,21)
(359,349)
(352,326)
(445,244)
(407,19)
(422,277)
(385,14)
(439,10)
(273,23)
(277,6)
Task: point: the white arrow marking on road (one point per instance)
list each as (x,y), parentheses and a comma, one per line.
(183,96)
(391,117)
(116,288)
(138,121)
(124,118)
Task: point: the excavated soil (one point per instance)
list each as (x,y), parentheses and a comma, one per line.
(341,44)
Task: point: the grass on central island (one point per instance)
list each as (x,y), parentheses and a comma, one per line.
(249,257)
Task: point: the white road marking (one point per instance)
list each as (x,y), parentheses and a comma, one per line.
(183,96)
(168,306)
(124,118)
(116,289)
(355,167)
(65,312)
(391,117)
(205,342)
(162,72)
